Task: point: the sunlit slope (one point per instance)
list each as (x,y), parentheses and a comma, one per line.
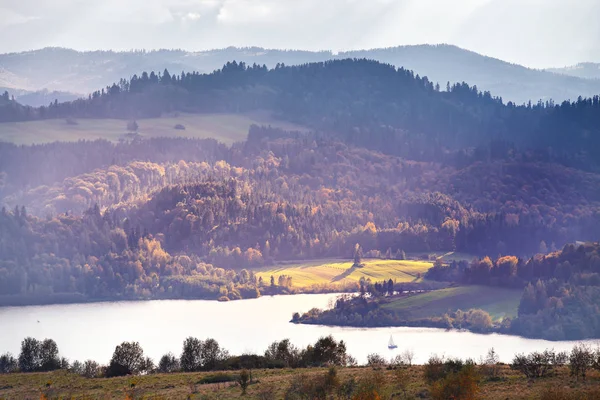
(498,302)
(226,128)
(341,272)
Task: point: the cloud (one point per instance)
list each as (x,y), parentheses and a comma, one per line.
(191,16)
(533,32)
(12,17)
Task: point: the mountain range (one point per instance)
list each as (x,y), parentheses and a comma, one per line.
(29,76)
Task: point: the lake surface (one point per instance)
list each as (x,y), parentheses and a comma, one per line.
(91,331)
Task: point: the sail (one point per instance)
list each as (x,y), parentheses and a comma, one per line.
(391,343)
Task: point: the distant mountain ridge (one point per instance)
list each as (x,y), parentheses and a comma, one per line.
(66,70)
(587,70)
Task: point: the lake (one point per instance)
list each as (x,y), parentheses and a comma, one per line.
(91,331)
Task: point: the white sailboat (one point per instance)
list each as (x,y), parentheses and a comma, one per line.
(391,344)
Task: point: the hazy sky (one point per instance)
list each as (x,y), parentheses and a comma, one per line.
(536,33)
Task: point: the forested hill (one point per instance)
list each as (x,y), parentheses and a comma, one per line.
(83,72)
(361,102)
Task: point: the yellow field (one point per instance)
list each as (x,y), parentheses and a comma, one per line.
(226,128)
(335,271)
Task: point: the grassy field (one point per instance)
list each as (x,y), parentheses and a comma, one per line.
(226,128)
(499,302)
(272,384)
(335,271)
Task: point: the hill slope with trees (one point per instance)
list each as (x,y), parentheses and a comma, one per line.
(44,68)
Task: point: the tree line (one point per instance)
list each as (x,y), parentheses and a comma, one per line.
(446,377)
(399,112)
(561,289)
(196,355)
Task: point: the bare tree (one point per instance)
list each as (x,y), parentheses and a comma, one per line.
(408,356)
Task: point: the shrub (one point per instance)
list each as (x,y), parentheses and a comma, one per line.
(489,364)
(127,359)
(219,377)
(434,369)
(91,369)
(402,379)
(147,366)
(371,386)
(132,126)
(8,363)
(535,365)
(313,387)
(581,360)
(376,361)
(76,367)
(347,389)
(267,392)
(437,368)
(244,380)
(304,387)
(462,385)
(408,356)
(168,363)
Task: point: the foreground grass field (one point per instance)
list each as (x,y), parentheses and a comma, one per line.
(498,302)
(320,272)
(226,128)
(272,384)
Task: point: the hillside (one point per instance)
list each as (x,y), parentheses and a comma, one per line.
(88,71)
(273,384)
(332,271)
(372,162)
(360,102)
(512,82)
(588,70)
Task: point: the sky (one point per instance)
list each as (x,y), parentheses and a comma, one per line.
(535,33)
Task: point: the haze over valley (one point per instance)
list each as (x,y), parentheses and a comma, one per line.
(412,220)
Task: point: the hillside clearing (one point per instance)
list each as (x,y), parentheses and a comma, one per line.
(227,128)
(336,271)
(498,302)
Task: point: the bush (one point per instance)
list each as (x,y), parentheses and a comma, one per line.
(76,368)
(437,368)
(180,127)
(132,126)
(127,359)
(581,360)
(244,380)
(91,369)
(489,364)
(376,361)
(147,366)
(313,387)
(347,389)
(402,380)
(462,385)
(219,377)
(8,363)
(267,392)
(371,386)
(536,364)
(168,363)
(434,369)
